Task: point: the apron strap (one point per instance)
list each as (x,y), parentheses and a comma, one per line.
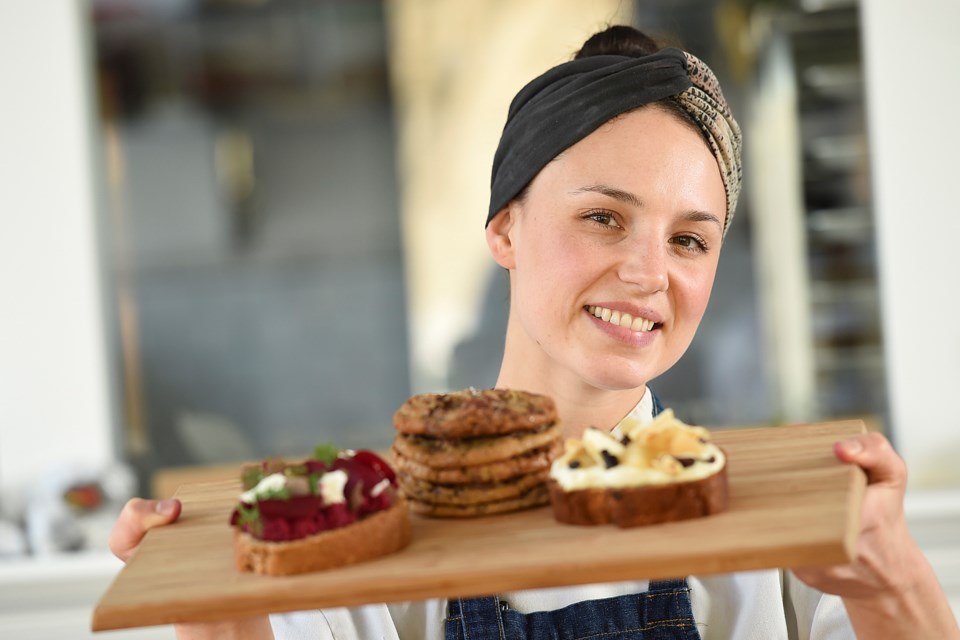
(475,618)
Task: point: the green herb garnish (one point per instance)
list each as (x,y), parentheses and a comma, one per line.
(314,480)
(326,453)
(295,470)
(274,494)
(248,515)
(251,477)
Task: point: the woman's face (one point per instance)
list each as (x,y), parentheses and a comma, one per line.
(613,252)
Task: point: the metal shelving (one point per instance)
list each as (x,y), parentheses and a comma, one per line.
(844,301)
(815,237)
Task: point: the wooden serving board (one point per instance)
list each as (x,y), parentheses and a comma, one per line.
(791,504)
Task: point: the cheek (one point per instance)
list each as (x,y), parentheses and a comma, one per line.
(693,295)
(552,263)
(553,271)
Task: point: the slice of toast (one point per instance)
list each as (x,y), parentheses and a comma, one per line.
(374,535)
(644,505)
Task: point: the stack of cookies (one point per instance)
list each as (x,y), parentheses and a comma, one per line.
(475,453)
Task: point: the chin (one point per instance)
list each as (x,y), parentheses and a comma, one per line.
(617,378)
(618,374)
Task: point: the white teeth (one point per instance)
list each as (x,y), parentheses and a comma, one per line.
(624,320)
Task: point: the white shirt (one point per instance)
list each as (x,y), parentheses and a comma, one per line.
(755,605)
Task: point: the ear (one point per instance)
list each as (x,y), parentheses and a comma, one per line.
(499,239)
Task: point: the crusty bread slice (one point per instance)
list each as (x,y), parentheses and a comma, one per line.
(375,535)
(636,506)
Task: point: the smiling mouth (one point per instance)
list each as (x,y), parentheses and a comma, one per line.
(624,320)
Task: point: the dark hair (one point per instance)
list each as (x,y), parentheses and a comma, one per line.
(619,40)
(623,40)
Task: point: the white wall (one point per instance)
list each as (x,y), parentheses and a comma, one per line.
(53,386)
(910,53)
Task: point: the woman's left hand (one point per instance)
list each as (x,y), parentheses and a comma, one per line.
(884,547)
(889,581)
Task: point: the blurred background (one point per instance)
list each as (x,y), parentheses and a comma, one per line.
(237,228)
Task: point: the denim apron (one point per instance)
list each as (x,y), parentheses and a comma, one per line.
(663,612)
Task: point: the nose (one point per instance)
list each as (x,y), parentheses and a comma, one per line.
(644,264)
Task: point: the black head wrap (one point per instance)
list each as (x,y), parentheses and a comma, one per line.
(570,101)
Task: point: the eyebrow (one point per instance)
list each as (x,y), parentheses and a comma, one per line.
(636,201)
(703,216)
(612,192)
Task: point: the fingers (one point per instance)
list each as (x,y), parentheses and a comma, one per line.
(873,453)
(258,628)
(139,516)
(837,580)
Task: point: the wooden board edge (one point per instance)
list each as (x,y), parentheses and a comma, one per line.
(114,617)
(857,487)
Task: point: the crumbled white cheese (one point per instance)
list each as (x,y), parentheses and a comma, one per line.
(631,465)
(379,488)
(272,483)
(331,486)
(622,475)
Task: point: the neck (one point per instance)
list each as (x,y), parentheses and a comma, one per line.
(579,404)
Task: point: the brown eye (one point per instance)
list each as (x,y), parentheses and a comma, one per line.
(690,243)
(602,218)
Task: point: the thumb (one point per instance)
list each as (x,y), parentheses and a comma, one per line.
(138,517)
(873,453)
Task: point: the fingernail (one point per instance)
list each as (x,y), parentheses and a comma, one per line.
(166,507)
(852,447)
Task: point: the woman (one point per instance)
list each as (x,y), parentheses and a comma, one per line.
(615,180)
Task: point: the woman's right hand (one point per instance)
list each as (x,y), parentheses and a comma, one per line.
(138,517)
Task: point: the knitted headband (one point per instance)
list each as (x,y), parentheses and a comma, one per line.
(570,101)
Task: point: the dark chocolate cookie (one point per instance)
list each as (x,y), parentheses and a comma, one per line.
(471,413)
(446,453)
(471,493)
(534,498)
(534,460)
